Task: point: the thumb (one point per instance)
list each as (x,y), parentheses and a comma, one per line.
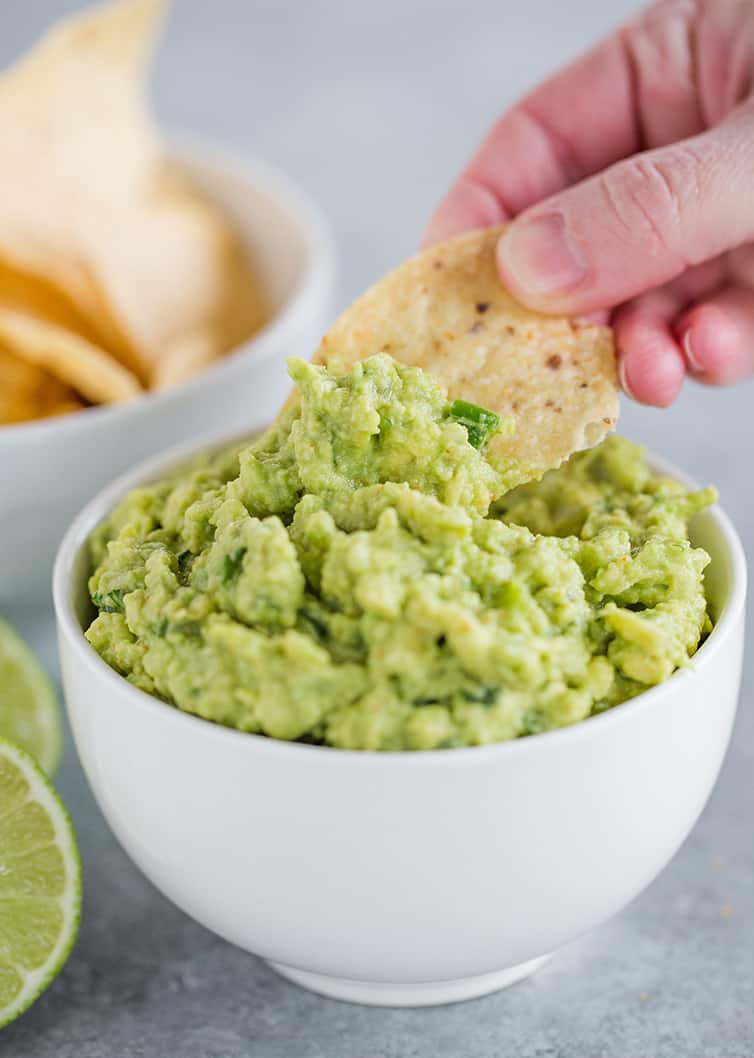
(637,224)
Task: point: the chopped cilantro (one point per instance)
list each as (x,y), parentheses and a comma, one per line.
(185,560)
(109,602)
(484,695)
(232,564)
(315,622)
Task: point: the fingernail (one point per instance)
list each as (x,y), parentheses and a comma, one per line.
(541,256)
(623,379)
(688,349)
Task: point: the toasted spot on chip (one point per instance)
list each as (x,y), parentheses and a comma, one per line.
(556,377)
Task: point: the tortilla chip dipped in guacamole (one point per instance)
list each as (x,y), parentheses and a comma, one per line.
(551,379)
(362,577)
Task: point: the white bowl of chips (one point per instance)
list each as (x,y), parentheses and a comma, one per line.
(150,291)
(48,469)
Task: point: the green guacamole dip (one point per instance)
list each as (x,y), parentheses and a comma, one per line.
(360,577)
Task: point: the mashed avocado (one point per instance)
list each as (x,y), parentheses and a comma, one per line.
(360,576)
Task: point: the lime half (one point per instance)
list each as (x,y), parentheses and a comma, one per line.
(40,882)
(29,711)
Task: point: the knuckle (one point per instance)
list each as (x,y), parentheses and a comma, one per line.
(482,202)
(652,197)
(660,46)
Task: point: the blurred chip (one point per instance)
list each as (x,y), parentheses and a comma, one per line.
(99,236)
(30,392)
(71,359)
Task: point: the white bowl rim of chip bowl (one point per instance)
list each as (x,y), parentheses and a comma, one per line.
(49,468)
(410,878)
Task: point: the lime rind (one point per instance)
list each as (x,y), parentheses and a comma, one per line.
(43,793)
(35,723)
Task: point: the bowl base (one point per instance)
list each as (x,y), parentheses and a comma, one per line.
(421,994)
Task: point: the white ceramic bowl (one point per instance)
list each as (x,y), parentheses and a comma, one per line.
(402,878)
(49,469)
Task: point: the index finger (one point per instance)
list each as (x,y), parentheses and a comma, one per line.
(574,124)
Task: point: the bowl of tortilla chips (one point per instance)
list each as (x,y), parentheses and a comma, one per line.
(150,289)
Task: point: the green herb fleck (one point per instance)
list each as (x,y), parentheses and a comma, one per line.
(316,623)
(484,695)
(232,564)
(480,424)
(109,602)
(185,560)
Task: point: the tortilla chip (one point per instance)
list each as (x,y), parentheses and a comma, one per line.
(29,392)
(86,207)
(184,359)
(76,132)
(40,297)
(57,399)
(175,277)
(70,358)
(447,312)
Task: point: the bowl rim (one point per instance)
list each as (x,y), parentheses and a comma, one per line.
(313,286)
(71,634)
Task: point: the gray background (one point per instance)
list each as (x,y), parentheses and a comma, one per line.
(373,106)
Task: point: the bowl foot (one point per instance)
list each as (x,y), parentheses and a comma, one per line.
(422,994)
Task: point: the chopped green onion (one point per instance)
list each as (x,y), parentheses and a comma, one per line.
(480,424)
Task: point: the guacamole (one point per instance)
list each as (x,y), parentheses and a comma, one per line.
(361,577)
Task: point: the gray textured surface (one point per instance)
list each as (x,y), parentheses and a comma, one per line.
(373,106)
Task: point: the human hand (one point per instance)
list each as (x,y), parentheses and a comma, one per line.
(631,178)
